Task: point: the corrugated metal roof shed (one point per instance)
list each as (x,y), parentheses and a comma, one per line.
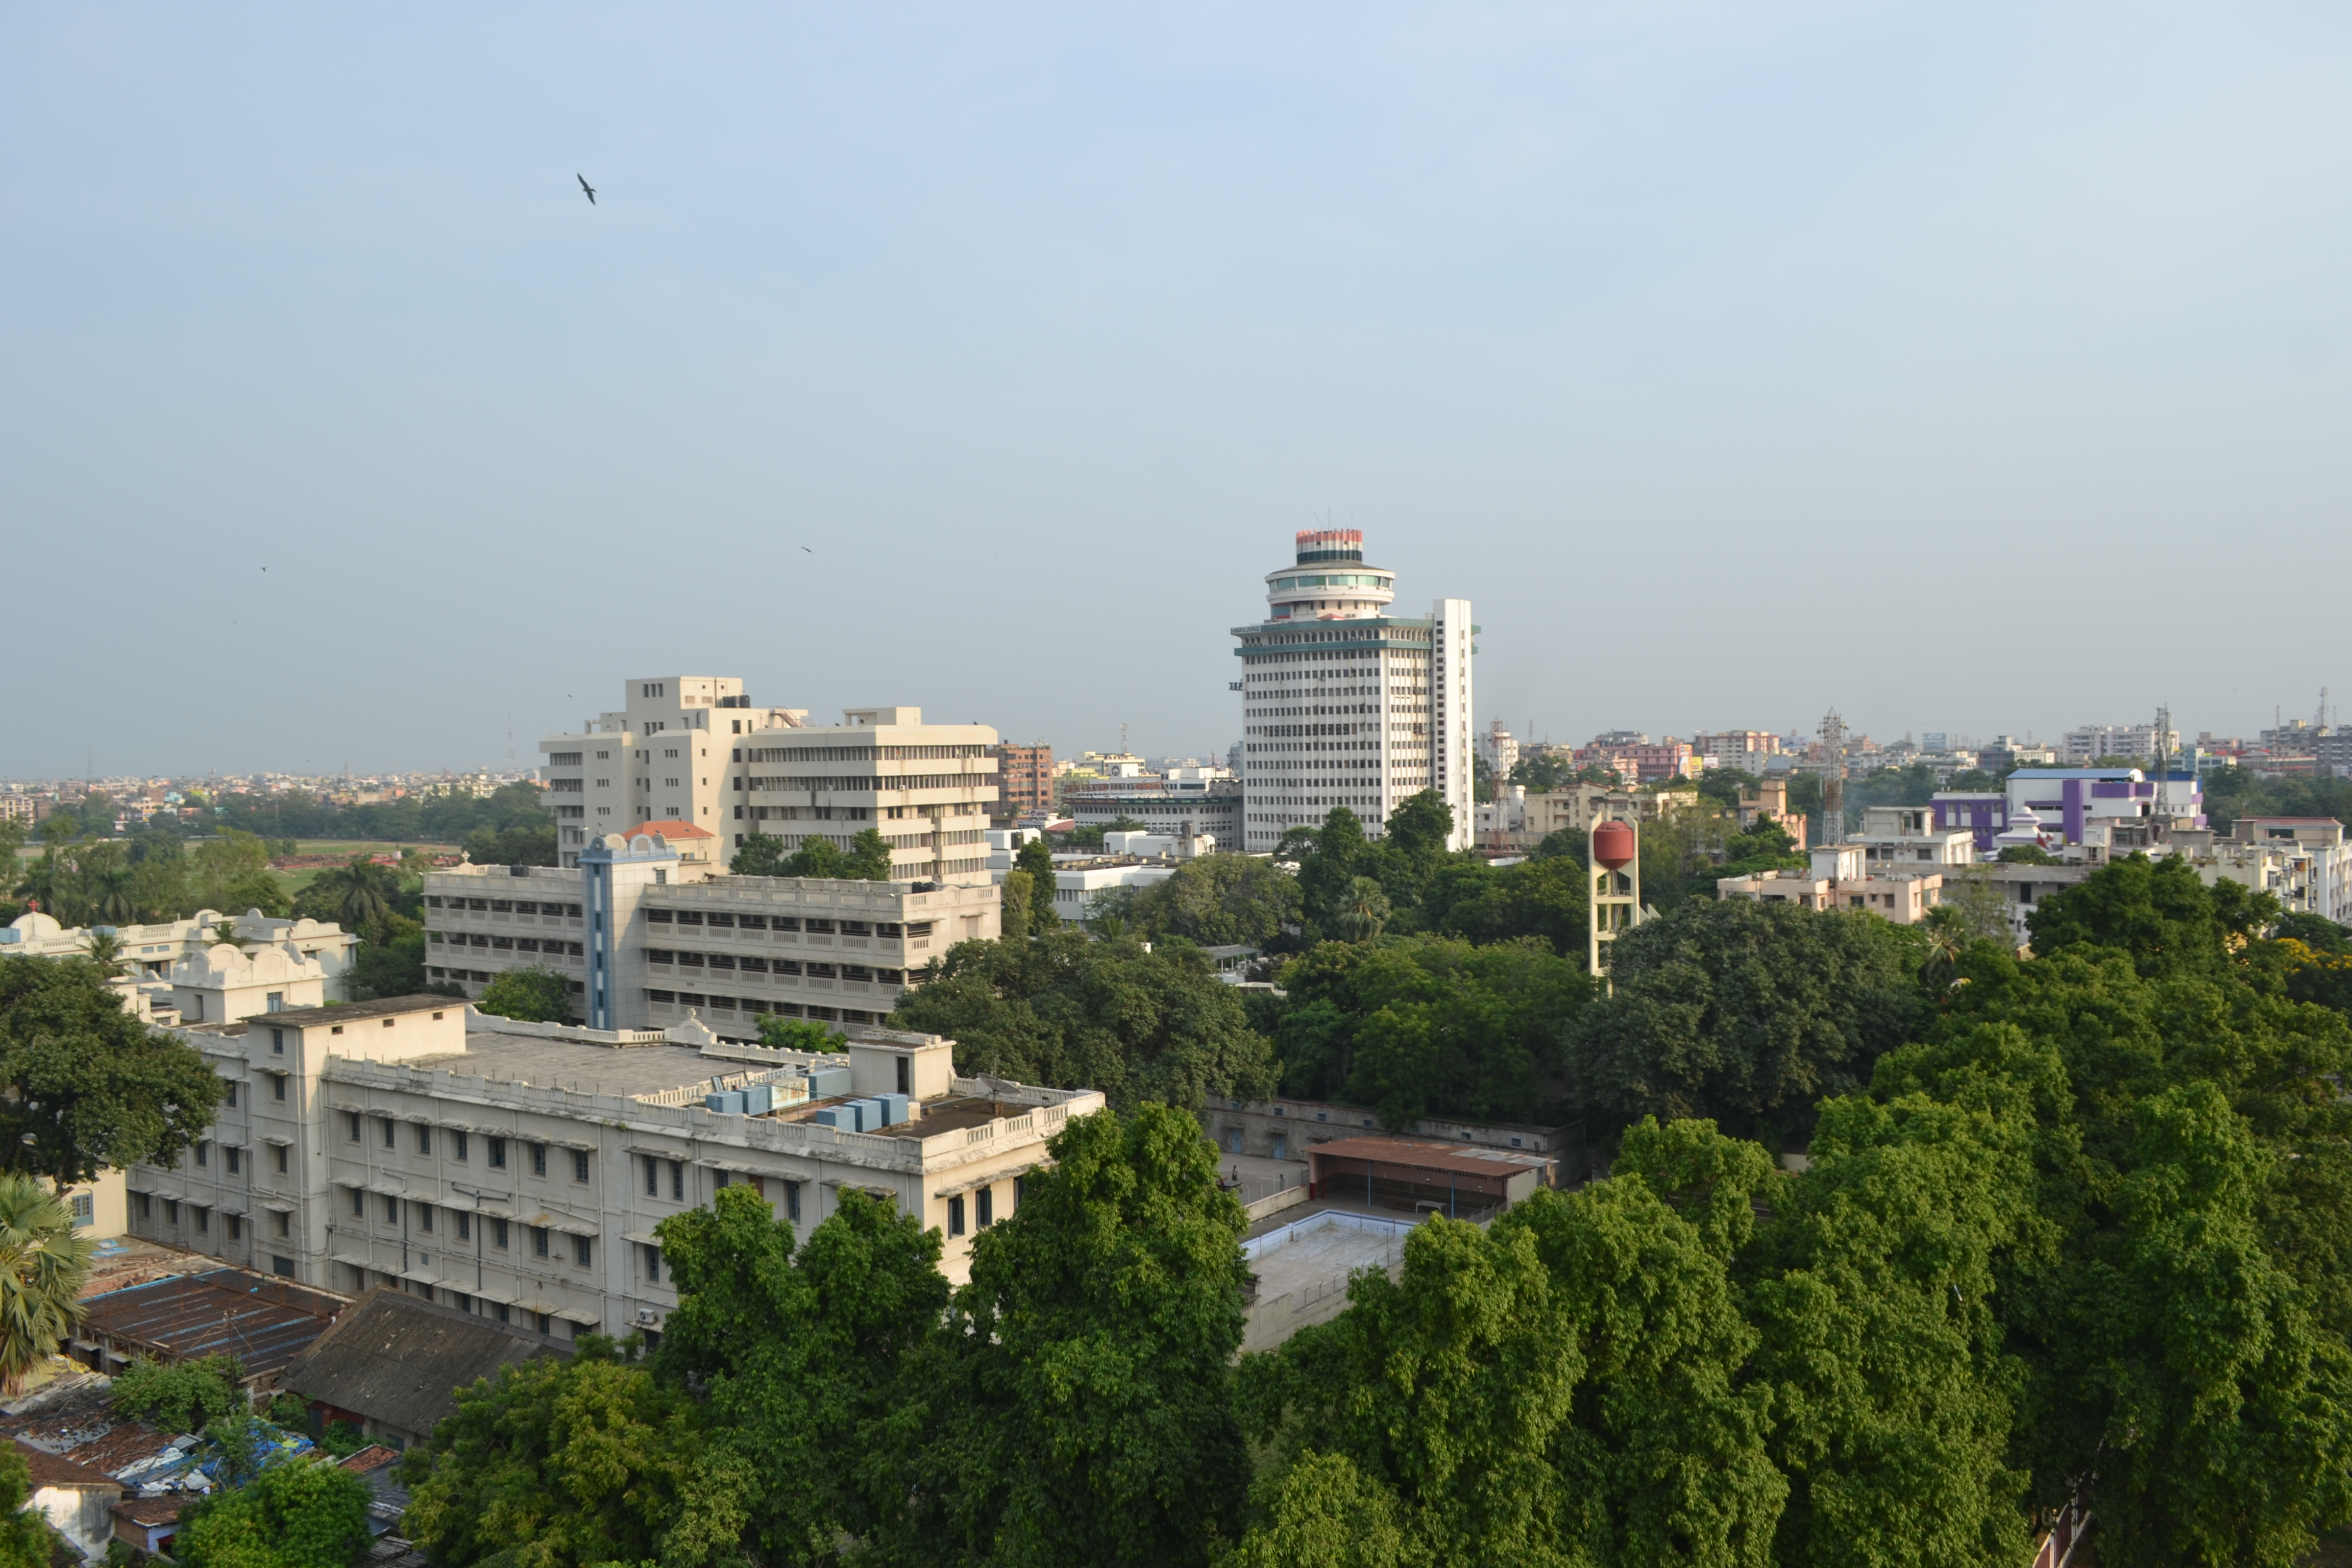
(262,1322)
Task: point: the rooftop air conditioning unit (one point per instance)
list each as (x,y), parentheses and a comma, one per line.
(644,1314)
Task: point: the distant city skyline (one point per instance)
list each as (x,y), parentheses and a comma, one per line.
(1978,370)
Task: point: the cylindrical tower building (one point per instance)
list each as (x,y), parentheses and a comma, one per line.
(1345,705)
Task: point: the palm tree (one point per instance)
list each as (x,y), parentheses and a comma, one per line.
(1364,911)
(105,950)
(358,895)
(42,1265)
(1947,938)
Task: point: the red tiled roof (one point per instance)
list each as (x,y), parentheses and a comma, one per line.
(373,1456)
(153,1511)
(667,829)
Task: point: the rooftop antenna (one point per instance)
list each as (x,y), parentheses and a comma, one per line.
(2323,708)
(511,758)
(1122,737)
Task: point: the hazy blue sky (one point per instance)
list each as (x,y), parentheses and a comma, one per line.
(1972,367)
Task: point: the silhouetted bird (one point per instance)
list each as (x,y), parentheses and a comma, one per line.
(587,187)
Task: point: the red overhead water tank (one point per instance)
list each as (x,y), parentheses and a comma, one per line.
(1613,844)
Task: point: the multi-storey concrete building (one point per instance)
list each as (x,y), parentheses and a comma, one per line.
(692,749)
(520,1170)
(1024,779)
(2082,747)
(646,938)
(1346,705)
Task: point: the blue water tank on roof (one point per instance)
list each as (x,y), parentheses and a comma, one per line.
(759,1099)
(828,1116)
(894,1108)
(826,1082)
(730,1103)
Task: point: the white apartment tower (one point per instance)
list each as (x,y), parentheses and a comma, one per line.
(1345,704)
(692,749)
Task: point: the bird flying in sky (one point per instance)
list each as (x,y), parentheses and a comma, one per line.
(587,187)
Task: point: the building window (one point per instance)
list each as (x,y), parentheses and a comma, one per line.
(538,1159)
(171,1211)
(539,1241)
(204,1219)
(499,1233)
(203,1155)
(580,1165)
(235,1158)
(424,1138)
(146,1205)
(85,1208)
(653,1265)
(285,1224)
(583,1250)
(359,1203)
(677,1181)
(232,1096)
(653,1177)
(955,1216)
(351,1119)
(498,1153)
(277,1038)
(457,1146)
(425,1219)
(390,1211)
(277,1086)
(793,1202)
(237,1227)
(279,1149)
(390,1134)
(983,1204)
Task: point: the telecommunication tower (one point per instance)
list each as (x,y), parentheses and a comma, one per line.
(1832,734)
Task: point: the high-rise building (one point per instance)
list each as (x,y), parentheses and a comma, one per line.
(1345,704)
(692,749)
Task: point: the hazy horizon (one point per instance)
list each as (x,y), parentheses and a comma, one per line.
(1968,371)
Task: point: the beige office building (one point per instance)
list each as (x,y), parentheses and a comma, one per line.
(521,1170)
(692,749)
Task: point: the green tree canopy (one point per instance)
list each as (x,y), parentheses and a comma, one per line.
(1432,1026)
(568,1462)
(808,1358)
(761,855)
(1073,1011)
(779,1033)
(2157,912)
(26,1539)
(1746,1013)
(1217,901)
(1085,1414)
(1036,857)
(183,1396)
(307,1513)
(532,844)
(531,994)
(87,1084)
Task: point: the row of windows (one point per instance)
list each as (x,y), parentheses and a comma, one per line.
(860,754)
(143,1205)
(461,1144)
(507,943)
(753,1005)
(503,906)
(498,1233)
(816,925)
(777,965)
(233,1157)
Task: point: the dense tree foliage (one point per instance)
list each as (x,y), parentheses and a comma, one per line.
(183,1396)
(1746,1013)
(1215,901)
(2232,792)
(1431,1026)
(83,1083)
(26,1539)
(534,995)
(437,819)
(568,1461)
(1076,1011)
(1084,1413)
(305,1514)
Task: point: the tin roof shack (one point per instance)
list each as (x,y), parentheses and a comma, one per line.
(375,1465)
(390,1365)
(1418,1178)
(263,1323)
(76,1500)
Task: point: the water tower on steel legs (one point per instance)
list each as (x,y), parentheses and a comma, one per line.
(1614,886)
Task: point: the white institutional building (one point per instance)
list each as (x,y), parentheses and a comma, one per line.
(692,749)
(1345,704)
